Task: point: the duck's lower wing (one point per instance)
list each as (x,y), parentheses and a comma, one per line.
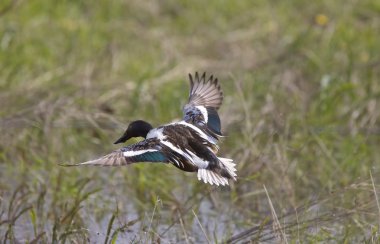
(144,151)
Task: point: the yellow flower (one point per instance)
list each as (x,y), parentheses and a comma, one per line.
(321,19)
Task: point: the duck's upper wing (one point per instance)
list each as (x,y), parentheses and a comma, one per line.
(205,98)
(143,151)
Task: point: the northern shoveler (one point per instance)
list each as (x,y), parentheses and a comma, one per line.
(190,145)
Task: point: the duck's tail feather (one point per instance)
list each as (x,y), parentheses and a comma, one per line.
(208,176)
(219,177)
(229,166)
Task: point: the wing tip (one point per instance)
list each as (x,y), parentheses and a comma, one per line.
(203,77)
(66,164)
(205,91)
(91,162)
(191,82)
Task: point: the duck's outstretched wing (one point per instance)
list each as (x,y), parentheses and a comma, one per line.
(144,151)
(205,98)
(205,92)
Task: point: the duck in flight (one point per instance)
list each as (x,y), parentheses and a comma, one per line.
(190,144)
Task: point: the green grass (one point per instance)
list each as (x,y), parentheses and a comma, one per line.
(301,111)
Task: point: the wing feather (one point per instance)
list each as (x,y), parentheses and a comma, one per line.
(205,93)
(144,151)
(205,98)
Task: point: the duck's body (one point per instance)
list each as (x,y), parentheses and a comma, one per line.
(190,145)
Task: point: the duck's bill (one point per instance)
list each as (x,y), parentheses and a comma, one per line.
(122,139)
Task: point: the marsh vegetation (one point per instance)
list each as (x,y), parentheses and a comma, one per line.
(301,111)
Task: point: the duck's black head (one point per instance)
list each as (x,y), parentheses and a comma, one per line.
(138,128)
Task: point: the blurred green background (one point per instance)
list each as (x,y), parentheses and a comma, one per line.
(301,111)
